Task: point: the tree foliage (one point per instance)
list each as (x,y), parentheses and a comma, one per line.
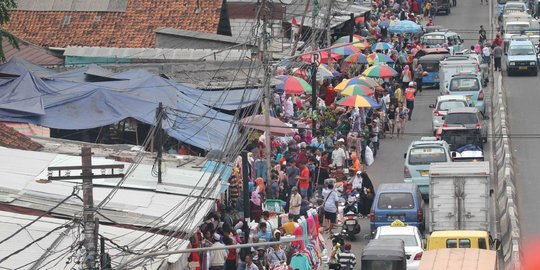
(5,8)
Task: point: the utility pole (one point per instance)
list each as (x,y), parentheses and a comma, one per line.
(314,69)
(328,25)
(267,91)
(159,138)
(353,23)
(245,194)
(89,221)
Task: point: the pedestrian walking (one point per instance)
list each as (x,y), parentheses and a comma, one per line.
(410,93)
(406,76)
(367,195)
(346,259)
(418,75)
(330,206)
(401,114)
(497,57)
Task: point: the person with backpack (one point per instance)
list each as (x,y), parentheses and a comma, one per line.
(346,259)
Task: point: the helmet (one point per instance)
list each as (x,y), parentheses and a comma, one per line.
(498,35)
(411,84)
(351,199)
(430,19)
(347,246)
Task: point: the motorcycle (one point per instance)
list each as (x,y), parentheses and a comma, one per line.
(351,226)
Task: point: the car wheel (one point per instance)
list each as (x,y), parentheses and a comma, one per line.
(535,72)
(448,12)
(509,72)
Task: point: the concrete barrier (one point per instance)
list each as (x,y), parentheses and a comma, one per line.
(507,208)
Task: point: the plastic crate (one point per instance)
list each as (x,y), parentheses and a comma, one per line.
(274,206)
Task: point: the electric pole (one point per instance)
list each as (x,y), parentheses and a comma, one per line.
(314,69)
(90,223)
(267,91)
(159,139)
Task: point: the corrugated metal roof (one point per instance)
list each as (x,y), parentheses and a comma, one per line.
(65,239)
(139,202)
(31,53)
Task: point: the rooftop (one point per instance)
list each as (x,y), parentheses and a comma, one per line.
(71,22)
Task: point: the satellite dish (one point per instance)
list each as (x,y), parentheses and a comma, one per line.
(286,2)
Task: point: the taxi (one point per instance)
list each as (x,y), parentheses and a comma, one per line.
(411,237)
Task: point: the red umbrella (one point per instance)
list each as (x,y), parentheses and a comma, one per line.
(324,57)
(277,127)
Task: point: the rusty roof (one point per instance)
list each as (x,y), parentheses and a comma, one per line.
(133,28)
(11,138)
(31,53)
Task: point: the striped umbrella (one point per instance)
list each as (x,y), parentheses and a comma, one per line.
(380,71)
(354,81)
(371,82)
(345,50)
(358,101)
(377,58)
(334,72)
(381,46)
(357,58)
(293,85)
(358,90)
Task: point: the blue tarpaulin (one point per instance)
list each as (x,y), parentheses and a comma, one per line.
(61,103)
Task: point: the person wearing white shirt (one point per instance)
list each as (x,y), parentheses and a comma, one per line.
(218,257)
(338,155)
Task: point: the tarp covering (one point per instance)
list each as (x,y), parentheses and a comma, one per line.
(226,100)
(64,103)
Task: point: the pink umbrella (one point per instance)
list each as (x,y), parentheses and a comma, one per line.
(277,127)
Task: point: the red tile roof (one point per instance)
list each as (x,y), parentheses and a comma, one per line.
(31,53)
(11,138)
(131,29)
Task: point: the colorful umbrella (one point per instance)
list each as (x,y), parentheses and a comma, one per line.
(382,46)
(258,122)
(377,58)
(323,55)
(334,72)
(325,72)
(356,58)
(345,50)
(358,90)
(385,23)
(405,26)
(371,81)
(305,73)
(358,101)
(380,71)
(346,39)
(293,85)
(355,81)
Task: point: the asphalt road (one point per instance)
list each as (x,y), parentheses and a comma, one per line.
(522,98)
(465,19)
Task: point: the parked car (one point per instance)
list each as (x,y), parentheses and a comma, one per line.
(419,156)
(394,201)
(444,103)
(468,117)
(469,85)
(411,236)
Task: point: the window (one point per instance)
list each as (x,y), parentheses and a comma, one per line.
(461,119)
(482,243)
(521,50)
(446,105)
(426,155)
(451,243)
(430,67)
(396,201)
(516,28)
(464,243)
(409,240)
(464,84)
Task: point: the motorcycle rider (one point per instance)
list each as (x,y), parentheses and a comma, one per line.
(351,206)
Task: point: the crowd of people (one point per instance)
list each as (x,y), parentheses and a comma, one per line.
(314,171)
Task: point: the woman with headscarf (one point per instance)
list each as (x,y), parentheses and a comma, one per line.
(367,194)
(255,206)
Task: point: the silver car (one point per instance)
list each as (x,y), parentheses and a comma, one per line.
(444,103)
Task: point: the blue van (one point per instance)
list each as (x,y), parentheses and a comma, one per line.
(401,201)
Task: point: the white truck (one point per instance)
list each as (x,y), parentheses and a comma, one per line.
(452,66)
(459,196)
(514,24)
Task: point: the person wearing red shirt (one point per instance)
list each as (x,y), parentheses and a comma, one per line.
(303,180)
(415,6)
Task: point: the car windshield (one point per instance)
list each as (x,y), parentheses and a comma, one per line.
(391,200)
(409,240)
(501,2)
(521,50)
(464,84)
(430,67)
(461,119)
(446,105)
(515,28)
(433,40)
(426,155)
